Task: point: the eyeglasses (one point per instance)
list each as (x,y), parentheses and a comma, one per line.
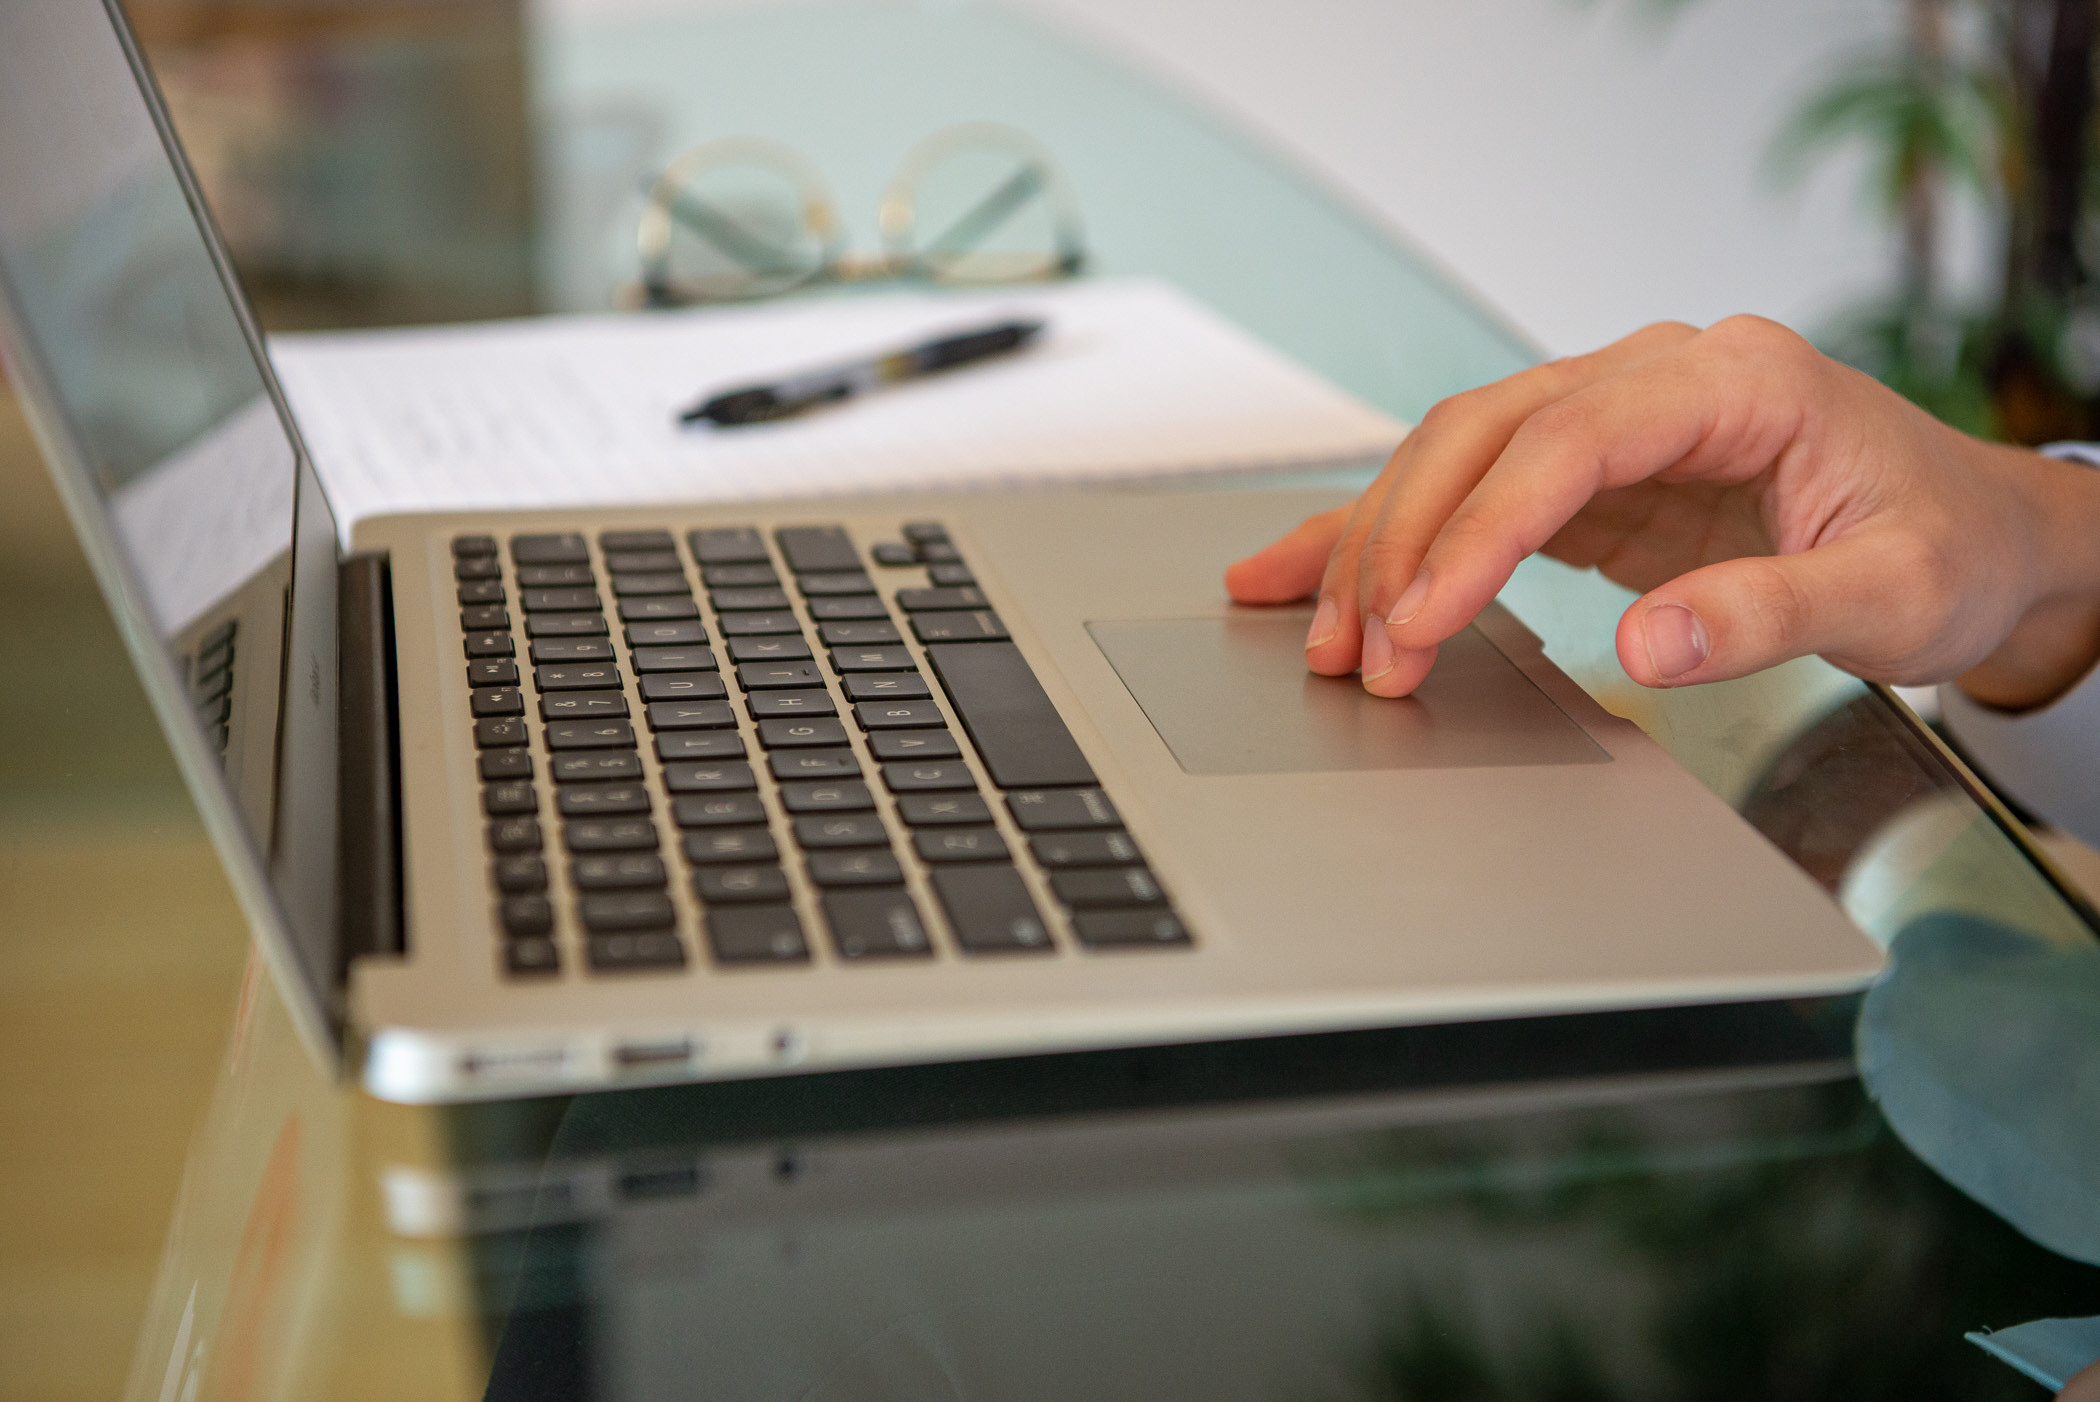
(745,217)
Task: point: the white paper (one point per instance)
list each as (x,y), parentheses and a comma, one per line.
(1130,378)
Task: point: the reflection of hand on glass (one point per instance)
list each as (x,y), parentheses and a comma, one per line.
(1769,502)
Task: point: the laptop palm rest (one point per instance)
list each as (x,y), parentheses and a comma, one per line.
(1230,695)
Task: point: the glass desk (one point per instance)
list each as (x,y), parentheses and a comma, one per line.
(1771,1201)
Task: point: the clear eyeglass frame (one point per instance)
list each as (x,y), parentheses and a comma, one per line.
(743,218)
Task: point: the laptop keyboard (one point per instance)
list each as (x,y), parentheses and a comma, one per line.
(783,753)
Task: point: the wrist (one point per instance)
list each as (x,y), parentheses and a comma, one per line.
(2056,639)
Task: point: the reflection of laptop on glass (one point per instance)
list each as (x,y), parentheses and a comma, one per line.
(522,803)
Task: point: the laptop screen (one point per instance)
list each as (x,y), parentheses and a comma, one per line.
(163,428)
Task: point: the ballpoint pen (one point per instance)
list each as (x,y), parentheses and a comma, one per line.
(760,403)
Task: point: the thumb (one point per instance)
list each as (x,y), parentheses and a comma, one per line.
(1744,615)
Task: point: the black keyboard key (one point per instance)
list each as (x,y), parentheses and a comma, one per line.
(490,645)
(834,583)
(717,810)
(556,577)
(525,917)
(534,956)
(752,625)
(756,934)
(642,949)
(980,626)
(1051,810)
(733,600)
(822,830)
(739,576)
(498,701)
(774,676)
(719,846)
(959,844)
(583,705)
(813,764)
(817,731)
(576,677)
(564,549)
(740,885)
(859,633)
(849,607)
(686,633)
(482,591)
(790,703)
(610,911)
(610,541)
(683,686)
(855,868)
(590,735)
(826,796)
(769,649)
(690,715)
(727,545)
(1018,733)
(723,776)
(519,876)
(933,776)
(506,764)
(813,548)
(512,796)
(951,576)
(1122,929)
(663,561)
(925,600)
(673,659)
(564,625)
(639,586)
(465,546)
(882,923)
(990,909)
(501,734)
(496,672)
(895,554)
(898,715)
(1084,849)
(913,744)
(928,810)
(480,567)
(939,552)
(924,532)
(872,659)
(1107,887)
(571,650)
(885,686)
(621,871)
(663,609)
(699,744)
(590,767)
(602,800)
(515,835)
(610,835)
(558,600)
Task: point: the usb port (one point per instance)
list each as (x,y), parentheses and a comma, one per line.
(646,1056)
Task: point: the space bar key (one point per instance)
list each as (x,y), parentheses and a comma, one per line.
(1018,733)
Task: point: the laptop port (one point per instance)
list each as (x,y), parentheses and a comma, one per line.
(652,1056)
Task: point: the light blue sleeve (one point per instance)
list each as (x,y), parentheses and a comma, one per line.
(2047,759)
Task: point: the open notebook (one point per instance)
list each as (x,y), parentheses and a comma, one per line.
(1131,378)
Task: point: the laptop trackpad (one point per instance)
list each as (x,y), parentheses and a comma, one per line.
(1231,696)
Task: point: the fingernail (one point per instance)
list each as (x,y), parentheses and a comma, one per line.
(1378,650)
(1676,640)
(1410,601)
(1324,618)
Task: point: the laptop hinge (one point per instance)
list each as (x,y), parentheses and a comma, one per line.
(369,886)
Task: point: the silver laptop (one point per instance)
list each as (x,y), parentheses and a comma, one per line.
(523,803)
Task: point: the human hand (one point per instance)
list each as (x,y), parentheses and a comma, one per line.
(2083,1388)
(1768,501)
